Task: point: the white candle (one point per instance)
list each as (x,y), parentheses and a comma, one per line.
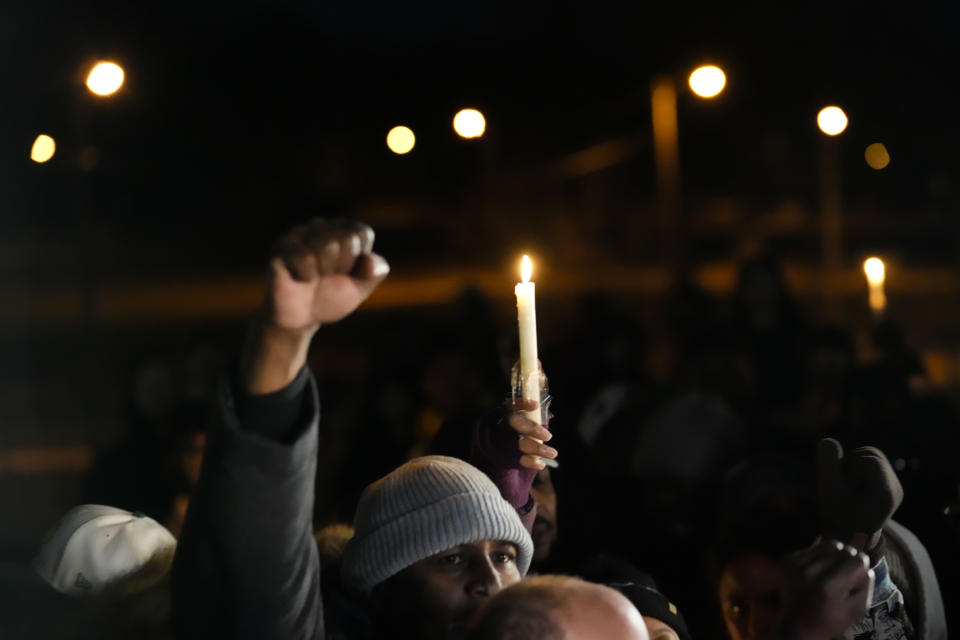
(876,274)
(527,319)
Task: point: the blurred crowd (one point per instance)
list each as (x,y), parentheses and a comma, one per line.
(697,464)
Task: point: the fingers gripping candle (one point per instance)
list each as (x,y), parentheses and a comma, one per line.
(527,319)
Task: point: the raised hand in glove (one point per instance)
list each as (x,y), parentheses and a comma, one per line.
(507,446)
(857,493)
(827,588)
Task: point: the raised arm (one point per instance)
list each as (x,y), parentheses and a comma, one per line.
(247,566)
(508,447)
(858,492)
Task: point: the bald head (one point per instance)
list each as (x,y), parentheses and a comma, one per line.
(558,608)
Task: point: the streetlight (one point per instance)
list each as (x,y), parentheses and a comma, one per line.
(401,140)
(877,156)
(469,123)
(105,78)
(706,81)
(832,121)
(43,148)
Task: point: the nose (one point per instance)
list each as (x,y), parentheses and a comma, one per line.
(484,580)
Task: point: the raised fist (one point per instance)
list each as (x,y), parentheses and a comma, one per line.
(827,588)
(320,273)
(857,492)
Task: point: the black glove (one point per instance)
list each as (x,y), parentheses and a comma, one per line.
(857,493)
(827,588)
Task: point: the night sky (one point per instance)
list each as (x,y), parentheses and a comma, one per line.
(242,117)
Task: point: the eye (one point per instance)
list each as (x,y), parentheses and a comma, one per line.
(504,557)
(736,609)
(452,560)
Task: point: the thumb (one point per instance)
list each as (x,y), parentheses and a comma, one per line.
(829,455)
(369,271)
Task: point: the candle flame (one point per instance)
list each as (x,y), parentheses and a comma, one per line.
(526,269)
(874,270)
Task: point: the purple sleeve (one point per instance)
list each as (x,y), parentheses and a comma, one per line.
(494,451)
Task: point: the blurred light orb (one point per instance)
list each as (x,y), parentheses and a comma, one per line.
(874,270)
(707,81)
(832,120)
(43,148)
(400,140)
(877,156)
(105,79)
(469,123)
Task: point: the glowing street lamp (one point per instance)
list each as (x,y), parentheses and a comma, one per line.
(43,148)
(469,123)
(875,271)
(707,81)
(401,140)
(105,79)
(877,156)
(832,120)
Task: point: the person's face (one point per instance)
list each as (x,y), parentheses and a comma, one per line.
(434,598)
(749,593)
(659,630)
(545,526)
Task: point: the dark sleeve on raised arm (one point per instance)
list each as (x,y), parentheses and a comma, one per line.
(246,565)
(275,416)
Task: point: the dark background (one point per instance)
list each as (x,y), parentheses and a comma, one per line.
(140,243)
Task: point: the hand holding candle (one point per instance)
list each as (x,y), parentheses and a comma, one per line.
(529,364)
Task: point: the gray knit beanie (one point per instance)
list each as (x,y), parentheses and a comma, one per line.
(423,507)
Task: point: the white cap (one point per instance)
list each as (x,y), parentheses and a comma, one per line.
(95,547)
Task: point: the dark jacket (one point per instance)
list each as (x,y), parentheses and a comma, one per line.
(247,565)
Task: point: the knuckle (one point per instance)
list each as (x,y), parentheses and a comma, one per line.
(367,233)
